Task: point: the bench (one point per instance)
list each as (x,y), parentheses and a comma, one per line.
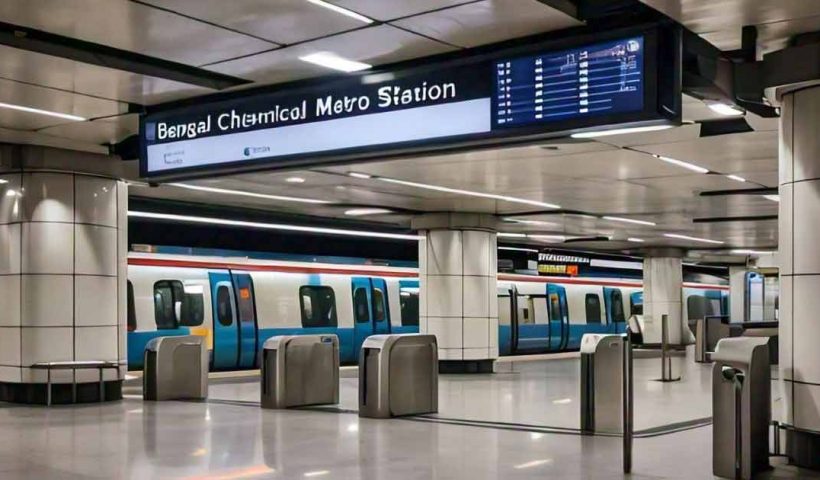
(74,365)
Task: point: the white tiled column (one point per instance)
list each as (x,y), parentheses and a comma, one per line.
(63,250)
(458,299)
(799,252)
(662,287)
(737,294)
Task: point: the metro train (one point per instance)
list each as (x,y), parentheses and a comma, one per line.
(238,303)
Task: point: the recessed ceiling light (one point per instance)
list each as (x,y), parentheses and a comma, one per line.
(335,62)
(270,226)
(694,239)
(743,251)
(295,180)
(21,108)
(548,238)
(3,180)
(531,222)
(511,235)
(359,175)
(681,163)
(357,212)
(517,249)
(725,109)
(774,198)
(341,10)
(629,220)
(620,131)
(241,193)
(492,196)
(736,178)
(635,240)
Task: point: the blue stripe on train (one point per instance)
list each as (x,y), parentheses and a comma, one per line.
(137,341)
(534,337)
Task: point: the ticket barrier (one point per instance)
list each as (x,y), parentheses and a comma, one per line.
(176,368)
(300,370)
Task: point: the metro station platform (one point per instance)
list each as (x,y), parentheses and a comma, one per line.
(480,432)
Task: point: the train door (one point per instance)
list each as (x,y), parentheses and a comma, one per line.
(558,317)
(226,331)
(371,313)
(614,305)
(505,320)
(246,318)
(234,313)
(531,324)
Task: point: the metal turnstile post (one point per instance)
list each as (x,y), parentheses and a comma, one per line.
(741,404)
(300,370)
(602,383)
(666,359)
(628,402)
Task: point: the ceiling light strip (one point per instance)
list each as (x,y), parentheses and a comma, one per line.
(342,10)
(693,239)
(682,164)
(64,116)
(471,193)
(629,220)
(241,193)
(620,131)
(335,62)
(270,226)
(518,249)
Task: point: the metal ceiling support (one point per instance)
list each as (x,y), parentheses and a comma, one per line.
(740,191)
(70,48)
(712,128)
(792,68)
(748,218)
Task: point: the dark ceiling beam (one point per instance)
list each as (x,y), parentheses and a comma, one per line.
(39,41)
(740,191)
(747,218)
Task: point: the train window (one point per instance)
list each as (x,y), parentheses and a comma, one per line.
(593,308)
(616,303)
(378,305)
(244,289)
(132,311)
(224,306)
(360,307)
(555,307)
(318,306)
(409,301)
(192,313)
(167,298)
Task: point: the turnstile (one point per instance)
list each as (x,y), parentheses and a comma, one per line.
(398,375)
(741,407)
(300,370)
(708,332)
(602,363)
(175,368)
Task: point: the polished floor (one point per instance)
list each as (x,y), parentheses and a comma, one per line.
(230,437)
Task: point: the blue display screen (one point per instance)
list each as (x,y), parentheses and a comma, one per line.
(591,81)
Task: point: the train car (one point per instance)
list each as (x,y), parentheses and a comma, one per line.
(238,303)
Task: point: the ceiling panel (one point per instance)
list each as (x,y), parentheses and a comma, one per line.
(376,46)
(280,21)
(32,96)
(36,138)
(489,21)
(102,131)
(721,21)
(132,26)
(71,76)
(392,9)
(747,152)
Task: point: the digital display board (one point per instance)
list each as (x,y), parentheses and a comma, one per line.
(489,100)
(594,80)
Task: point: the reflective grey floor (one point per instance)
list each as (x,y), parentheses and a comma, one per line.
(230,437)
(219,441)
(544,393)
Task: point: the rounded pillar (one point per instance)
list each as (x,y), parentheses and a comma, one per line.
(457,296)
(799,244)
(662,290)
(63,255)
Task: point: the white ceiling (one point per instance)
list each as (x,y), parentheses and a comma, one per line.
(261,40)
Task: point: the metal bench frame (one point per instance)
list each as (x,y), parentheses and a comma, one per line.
(101,366)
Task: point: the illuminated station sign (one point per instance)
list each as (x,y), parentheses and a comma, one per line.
(516,95)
